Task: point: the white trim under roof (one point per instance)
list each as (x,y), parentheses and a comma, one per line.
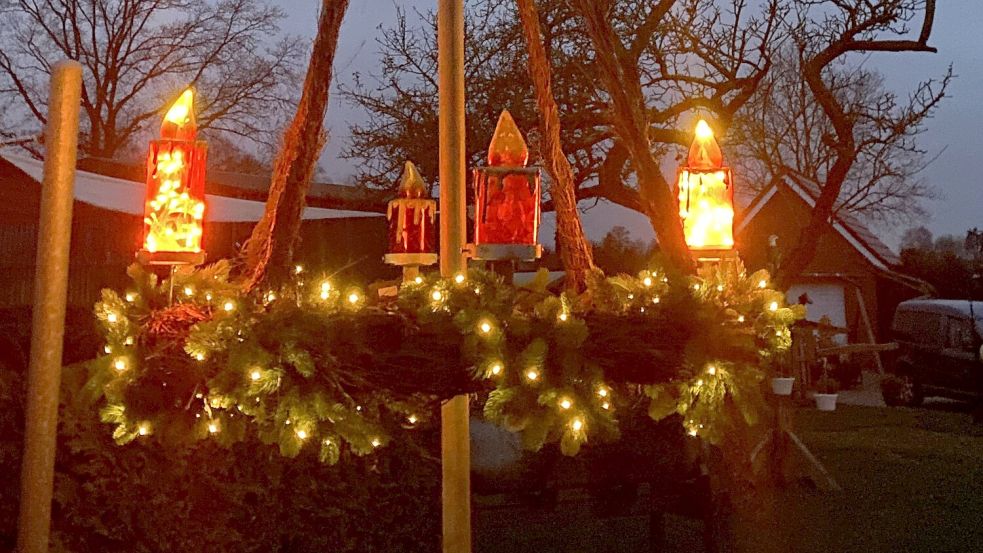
(128,197)
(857,244)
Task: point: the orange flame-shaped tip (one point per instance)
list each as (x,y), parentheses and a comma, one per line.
(507,146)
(704,153)
(179,121)
(411,184)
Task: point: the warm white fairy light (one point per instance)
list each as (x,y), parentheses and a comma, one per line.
(740,318)
(130,297)
(696,286)
(647,281)
(436,295)
(532,375)
(564,316)
(302,434)
(720,287)
(208,296)
(577,424)
(143,429)
(298,269)
(602,391)
(762,283)
(376,442)
(120,364)
(255,375)
(128,341)
(656,299)
(324,295)
(200,356)
(496,369)
(212,428)
(485,327)
(353,298)
(699,382)
(605,406)
(565,403)
(773,306)
(711,370)
(112,317)
(107,348)
(271,296)
(412,419)
(418,280)
(459,278)
(228,305)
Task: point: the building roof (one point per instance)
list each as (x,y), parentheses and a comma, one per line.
(231,198)
(846,224)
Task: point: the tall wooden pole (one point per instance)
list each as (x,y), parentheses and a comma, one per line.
(50,296)
(455,439)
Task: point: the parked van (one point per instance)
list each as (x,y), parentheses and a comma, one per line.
(940,351)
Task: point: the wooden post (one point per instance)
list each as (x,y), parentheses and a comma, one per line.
(455,438)
(50,296)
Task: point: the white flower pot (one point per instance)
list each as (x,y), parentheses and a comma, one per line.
(826,402)
(782,386)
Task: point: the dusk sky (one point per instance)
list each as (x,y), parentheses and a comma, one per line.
(955,131)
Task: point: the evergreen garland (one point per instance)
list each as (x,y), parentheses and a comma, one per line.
(314,364)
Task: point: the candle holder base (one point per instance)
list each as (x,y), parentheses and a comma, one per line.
(145,257)
(502,252)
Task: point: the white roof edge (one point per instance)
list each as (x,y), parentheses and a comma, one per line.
(126,196)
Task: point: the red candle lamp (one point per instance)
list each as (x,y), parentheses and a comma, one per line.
(175,204)
(507,196)
(412,220)
(705,191)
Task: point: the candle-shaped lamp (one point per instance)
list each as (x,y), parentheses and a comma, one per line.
(507,195)
(706,195)
(175,204)
(412,222)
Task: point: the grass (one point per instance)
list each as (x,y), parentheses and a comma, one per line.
(912,482)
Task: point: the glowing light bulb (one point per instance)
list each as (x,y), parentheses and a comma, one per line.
(485,327)
(532,375)
(712,370)
(325,287)
(720,287)
(376,442)
(130,296)
(647,281)
(577,424)
(353,298)
(200,356)
(496,369)
(605,405)
(255,375)
(229,306)
(324,295)
(656,300)
(143,429)
(212,428)
(112,317)
(566,403)
(762,283)
(773,306)
(459,278)
(436,295)
(564,317)
(740,318)
(603,392)
(298,269)
(107,348)
(271,296)
(418,280)
(696,286)
(302,434)
(119,364)
(208,296)
(189,291)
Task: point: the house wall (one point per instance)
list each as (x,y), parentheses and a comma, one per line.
(836,260)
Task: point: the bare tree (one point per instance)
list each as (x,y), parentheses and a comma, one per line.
(824,34)
(574,249)
(137,54)
(785,131)
(270,249)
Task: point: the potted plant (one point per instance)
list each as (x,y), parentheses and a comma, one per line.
(826,388)
(782,385)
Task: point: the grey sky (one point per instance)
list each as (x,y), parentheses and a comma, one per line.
(956,128)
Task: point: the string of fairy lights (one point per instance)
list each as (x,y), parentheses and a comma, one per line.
(525,343)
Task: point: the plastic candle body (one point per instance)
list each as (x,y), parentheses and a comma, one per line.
(706,195)
(507,197)
(412,222)
(175,205)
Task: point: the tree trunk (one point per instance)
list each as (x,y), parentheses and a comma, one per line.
(619,74)
(571,243)
(269,252)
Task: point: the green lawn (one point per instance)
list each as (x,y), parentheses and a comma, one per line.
(912,482)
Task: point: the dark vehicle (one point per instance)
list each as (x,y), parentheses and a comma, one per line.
(940,351)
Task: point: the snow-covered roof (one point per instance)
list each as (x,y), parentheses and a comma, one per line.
(128,197)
